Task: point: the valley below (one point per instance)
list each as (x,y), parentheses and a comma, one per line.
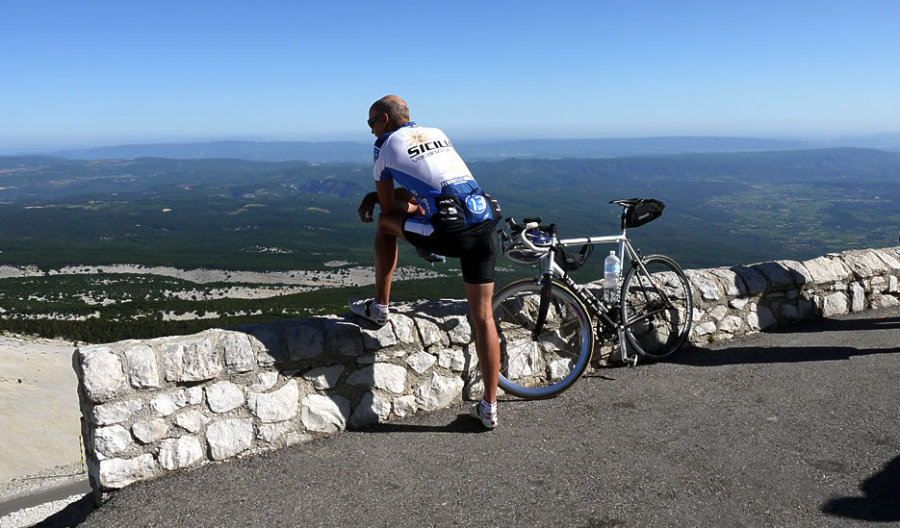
(103,250)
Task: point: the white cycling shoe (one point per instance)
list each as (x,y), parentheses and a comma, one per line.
(368,309)
(485,412)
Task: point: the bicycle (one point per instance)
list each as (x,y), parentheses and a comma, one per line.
(546,324)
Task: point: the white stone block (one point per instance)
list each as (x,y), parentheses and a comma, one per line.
(194,395)
(405,405)
(142,367)
(276,406)
(371,410)
(264,381)
(324,378)
(834,304)
(117,473)
(150,431)
(193,358)
(269,345)
(111,440)
(344,339)
(452,359)
(753,319)
(384,376)
(272,432)
(229,437)
(421,361)
(887,301)
(890,258)
(718,313)
(376,339)
(458,330)
(706,328)
(224,396)
(728,280)
(429,332)
(239,353)
(404,328)
(824,270)
(864,263)
(103,377)
(738,303)
(438,392)
(705,283)
(114,413)
(731,324)
(191,420)
(305,340)
(777,274)
(179,453)
(753,282)
(325,414)
(857,297)
(168,402)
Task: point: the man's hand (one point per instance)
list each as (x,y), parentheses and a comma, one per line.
(367,208)
(414,208)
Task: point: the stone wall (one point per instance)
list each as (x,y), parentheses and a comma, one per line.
(156,406)
(743,300)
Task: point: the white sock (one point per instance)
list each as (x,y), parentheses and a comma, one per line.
(381,308)
(488,407)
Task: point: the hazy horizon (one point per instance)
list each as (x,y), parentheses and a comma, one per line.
(813,141)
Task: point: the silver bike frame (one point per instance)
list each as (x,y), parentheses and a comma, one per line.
(549,265)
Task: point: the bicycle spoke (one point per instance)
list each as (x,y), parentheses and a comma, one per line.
(656,307)
(543,365)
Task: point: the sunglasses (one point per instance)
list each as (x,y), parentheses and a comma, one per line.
(371,120)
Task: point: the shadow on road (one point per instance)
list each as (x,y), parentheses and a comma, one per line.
(462,424)
(737,355)
(701,357)
(72,515)
(881,502)
(843,325)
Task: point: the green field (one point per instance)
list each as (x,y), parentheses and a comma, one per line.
(722,210)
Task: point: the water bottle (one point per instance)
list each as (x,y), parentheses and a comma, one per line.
(611,269)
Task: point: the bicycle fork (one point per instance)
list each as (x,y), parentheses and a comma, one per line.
(544,307)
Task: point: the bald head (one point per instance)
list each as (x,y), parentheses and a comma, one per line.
(394,107)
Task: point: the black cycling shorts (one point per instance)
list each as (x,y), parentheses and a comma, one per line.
(475,246)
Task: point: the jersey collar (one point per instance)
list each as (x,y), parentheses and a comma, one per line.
(382,138)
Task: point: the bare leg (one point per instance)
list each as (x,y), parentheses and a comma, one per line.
(487,343)
(389,229)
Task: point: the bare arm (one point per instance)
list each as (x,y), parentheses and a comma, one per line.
(389,199)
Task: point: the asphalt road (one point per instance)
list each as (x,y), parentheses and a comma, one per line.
(798,429)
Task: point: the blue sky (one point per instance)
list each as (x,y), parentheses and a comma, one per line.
(92,73)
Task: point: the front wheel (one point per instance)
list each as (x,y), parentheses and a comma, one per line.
(541,366)
(656,307)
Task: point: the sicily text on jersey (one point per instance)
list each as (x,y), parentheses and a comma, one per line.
(422,160)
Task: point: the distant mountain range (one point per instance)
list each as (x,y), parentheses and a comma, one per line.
(359,152)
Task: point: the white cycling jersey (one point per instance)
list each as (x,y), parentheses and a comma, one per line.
(423,160)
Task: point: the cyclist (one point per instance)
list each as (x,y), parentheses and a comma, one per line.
(439,208)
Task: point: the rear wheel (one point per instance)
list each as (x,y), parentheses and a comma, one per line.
(541,366)
(656,307)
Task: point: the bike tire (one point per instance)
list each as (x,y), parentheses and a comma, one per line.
(542,368)
(656,307)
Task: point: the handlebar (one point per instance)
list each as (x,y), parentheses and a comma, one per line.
(517,233)
(528,223)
